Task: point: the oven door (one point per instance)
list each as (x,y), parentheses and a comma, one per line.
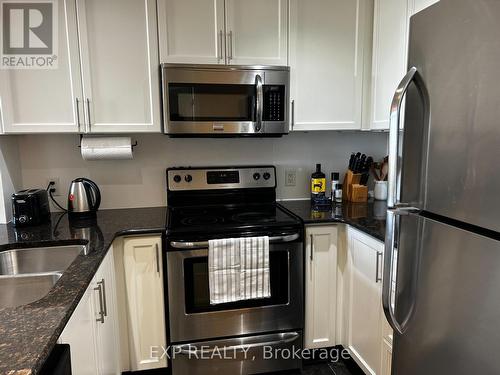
(193,318)
(209,101)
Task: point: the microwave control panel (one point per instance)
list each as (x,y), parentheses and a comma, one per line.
(274,103)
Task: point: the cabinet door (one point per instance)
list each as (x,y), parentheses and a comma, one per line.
(257,32)
(120,65)
(46,100)
(107,342)
(321,286)
(191,31)
(390,50)
(144,290)
(386,358)
(329,40)
(79,333)
(364,305)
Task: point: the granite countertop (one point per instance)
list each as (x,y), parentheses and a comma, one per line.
(368,217)
(28,333)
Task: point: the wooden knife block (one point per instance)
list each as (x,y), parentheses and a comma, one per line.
(353,191)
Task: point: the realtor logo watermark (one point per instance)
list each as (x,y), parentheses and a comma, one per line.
(266,352)
(28,34)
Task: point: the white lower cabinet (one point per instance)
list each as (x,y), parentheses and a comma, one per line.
(92,331)
(321,286)
(143,277)
(365,318)
(386,357)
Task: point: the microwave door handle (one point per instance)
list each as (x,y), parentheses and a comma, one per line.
(259,103)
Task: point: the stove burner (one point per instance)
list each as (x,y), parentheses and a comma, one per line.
(201,220)
(254,217)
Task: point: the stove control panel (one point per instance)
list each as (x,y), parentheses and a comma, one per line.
(186,179)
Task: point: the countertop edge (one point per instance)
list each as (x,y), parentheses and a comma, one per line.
(60,328)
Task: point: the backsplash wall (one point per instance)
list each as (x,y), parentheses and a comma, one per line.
(141,182)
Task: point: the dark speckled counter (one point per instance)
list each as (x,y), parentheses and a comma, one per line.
(368,217)
(28,333)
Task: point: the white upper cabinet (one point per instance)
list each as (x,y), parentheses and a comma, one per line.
(329,49)
(192,31)
(390,46)
(223,32)
(256,32)
(120,67)
(45,100)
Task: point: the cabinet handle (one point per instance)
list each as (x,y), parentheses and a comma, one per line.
(312,248)
(88,113)
(105,304)
(293,114)
(377,270)
(230,57)
(101,303)
(221,55)
(78,114)
(157,258)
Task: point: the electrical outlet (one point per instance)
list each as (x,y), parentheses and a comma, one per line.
(55,186)
(290,177)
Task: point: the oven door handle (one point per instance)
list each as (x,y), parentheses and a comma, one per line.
(196,245)
(190,349)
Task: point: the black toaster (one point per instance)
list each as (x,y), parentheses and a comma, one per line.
(30,207)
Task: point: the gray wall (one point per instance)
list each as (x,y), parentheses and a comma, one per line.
(141,182)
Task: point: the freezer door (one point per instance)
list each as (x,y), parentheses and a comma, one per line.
(447,302)
(455,47)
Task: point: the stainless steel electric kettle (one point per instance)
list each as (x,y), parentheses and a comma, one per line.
(84,198)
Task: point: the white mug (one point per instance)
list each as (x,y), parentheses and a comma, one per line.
(381,190)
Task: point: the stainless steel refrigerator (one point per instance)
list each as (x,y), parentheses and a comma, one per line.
(443,223)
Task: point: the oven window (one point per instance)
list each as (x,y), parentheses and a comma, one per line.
(197,290)
(211,102)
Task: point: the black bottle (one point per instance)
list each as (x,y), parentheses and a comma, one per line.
(318,185)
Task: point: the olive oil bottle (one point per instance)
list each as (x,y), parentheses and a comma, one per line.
(318,185)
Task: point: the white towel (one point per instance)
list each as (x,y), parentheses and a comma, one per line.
(238,269)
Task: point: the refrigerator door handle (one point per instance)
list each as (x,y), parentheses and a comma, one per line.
(394,127)
(389,267)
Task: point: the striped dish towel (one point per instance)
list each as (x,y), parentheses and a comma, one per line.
(238,269)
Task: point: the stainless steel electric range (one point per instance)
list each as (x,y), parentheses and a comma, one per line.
(214,203)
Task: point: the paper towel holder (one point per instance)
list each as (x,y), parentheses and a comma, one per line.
(81,137)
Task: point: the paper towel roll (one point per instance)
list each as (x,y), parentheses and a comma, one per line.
(106,148)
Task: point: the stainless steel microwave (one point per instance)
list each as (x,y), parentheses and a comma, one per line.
(222,100)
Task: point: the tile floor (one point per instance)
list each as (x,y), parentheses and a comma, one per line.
(328,368)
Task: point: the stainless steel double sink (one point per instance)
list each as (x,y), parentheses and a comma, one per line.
(27,275)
